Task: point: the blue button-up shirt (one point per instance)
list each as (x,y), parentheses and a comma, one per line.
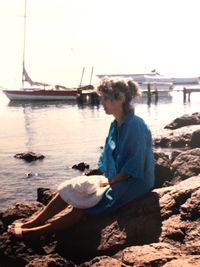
(128,149)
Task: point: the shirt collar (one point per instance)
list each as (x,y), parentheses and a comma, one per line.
(126,118)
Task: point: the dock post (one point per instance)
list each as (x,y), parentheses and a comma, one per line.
(189,96)
(184,94)
(148,94)
(94,99)
(156,95)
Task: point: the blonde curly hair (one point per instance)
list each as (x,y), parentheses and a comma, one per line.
(119,89)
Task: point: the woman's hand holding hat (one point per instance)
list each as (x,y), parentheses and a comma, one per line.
(103,182)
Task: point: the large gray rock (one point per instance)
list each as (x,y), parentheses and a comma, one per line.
(184,261)
(54,260)
(195,139)
(29,156)
(163,170)
(180,133)
(103,261)
(155,254)
(179,138)
(186,164)
(185,120)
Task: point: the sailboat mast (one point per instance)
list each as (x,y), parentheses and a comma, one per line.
(91,75)
(82,76)
(24,45)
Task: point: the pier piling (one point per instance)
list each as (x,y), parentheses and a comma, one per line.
(150,93)
(188,91)
(88,96)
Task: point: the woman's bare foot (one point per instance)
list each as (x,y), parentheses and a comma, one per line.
(35,233)
(31,222)
(25,233)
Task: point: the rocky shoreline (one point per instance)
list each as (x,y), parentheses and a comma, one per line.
(160,229)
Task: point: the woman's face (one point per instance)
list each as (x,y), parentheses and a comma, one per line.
(111,106)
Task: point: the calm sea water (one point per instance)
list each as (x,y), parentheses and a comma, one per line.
(66,134)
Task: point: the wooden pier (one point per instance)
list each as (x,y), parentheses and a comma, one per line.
(149,92)
(88,95)
(188,91)
(153,93)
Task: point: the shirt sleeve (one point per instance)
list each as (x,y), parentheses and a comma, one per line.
(101,161)
(106,161)
(135,150)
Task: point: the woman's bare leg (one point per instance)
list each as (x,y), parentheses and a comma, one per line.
(58,224)
(56,205)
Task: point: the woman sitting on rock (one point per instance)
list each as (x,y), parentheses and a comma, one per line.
(126,164)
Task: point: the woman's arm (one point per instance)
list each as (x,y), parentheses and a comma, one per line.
(118,178)
(115,179)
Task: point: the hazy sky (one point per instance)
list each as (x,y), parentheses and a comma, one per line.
(114,36)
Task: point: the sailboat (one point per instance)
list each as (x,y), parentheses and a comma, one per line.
(57,92)
(38,90)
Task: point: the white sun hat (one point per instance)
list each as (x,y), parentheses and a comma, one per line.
(82,191)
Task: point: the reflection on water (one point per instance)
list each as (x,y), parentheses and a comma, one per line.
(40,104)
(66,133)
(165,97)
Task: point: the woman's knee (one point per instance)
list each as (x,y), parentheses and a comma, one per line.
(58,201)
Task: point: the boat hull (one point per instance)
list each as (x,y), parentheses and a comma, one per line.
(38,95)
